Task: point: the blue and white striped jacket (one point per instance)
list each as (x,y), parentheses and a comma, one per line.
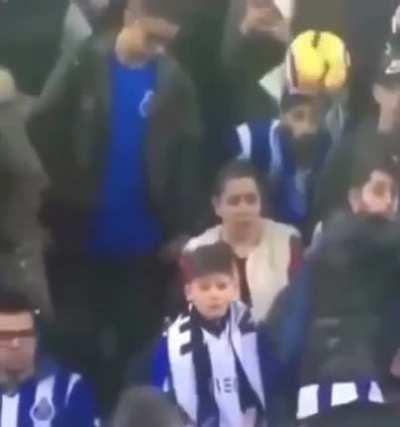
(54,397)
(291,193)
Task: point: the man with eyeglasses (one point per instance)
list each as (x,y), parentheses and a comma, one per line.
(34,390)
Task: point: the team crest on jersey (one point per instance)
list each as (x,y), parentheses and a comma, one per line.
(43,411)
(146,104)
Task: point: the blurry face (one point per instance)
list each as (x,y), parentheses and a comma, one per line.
(212,294)
(239,205)
(379,196)
(157,32)
(303,120)
(17,348)
(388,98)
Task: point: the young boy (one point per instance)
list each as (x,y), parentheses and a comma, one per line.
(291,151)
(209,358)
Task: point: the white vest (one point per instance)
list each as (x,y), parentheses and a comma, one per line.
(267,266)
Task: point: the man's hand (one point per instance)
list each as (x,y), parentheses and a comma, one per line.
(158,28)
(264,17)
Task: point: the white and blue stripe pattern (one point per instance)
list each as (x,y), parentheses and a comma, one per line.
(318,398)
(56,399)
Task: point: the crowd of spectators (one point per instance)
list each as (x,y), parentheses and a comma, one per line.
(181,244)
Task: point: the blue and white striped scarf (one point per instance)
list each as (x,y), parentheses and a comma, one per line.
(192,358)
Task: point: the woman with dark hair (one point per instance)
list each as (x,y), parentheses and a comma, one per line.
(267,252)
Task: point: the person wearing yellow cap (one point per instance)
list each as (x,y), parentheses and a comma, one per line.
(364,26)
(318,62)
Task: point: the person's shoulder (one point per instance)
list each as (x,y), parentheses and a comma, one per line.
(171,70)
(49,367)
(179,324)
(279,229)
(98,45)
(259,128)
(209,237)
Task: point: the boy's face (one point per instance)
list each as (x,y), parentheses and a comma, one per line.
(303,120)
(157,32)
(212,294)
(378,196)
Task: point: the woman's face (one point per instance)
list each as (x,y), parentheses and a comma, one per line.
(239,204)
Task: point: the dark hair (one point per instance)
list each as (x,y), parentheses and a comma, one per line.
(319,15)
(146,407)
(236,169)
(292,100)
(357,415)
(12,301)
(372,159)
(208,259)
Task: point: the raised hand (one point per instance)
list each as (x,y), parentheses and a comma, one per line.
(158,28)
(264,17)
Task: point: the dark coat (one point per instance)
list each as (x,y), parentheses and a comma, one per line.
(334,316)
(75,151)
(224,65)
(21,185)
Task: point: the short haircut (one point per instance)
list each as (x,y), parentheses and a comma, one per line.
(206,260)
(236,169)
(12,301)
(372,159)
(145,407)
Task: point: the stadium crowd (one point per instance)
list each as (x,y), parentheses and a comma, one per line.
(199,213)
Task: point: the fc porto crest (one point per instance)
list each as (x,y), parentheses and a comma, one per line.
(43,412)
(146,105)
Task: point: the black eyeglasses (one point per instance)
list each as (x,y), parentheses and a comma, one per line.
(23,336)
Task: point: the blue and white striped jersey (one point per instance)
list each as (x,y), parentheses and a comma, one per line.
(54,397)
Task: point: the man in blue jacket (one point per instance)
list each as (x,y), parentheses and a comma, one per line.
(34,389)
(290,152)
